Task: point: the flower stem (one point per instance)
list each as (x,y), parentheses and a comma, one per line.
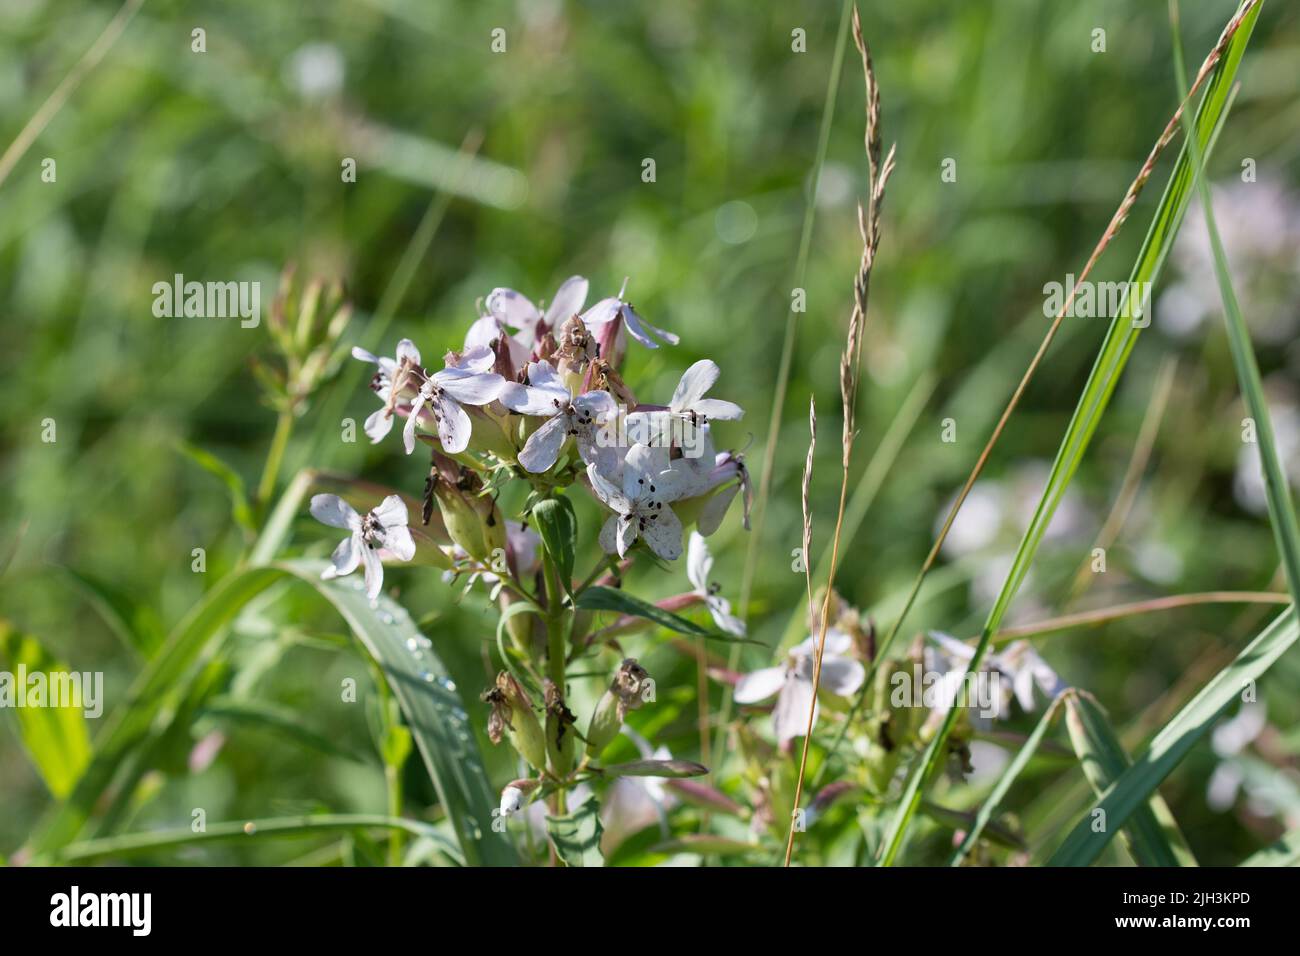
(271,471)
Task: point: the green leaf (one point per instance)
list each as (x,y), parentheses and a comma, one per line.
(240,509)
(599,598)
(1111,360)
(576,836)
(655,768)
(558,527)
(55,738)
(1134,786)
(1152,834)
(1009,775)
(433,709)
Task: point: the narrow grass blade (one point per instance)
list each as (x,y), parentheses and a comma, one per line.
(1152,834)
(1281,510)
(1115,350)
(131,844)
(1009,775)
(1134,786)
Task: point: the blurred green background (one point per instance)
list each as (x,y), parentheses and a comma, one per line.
(225,165)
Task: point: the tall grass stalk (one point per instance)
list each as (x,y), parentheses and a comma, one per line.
(1112,230)
(850,376)
(1222,62)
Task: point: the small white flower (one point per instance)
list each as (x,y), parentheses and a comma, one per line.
(1018,662)
(577,416)
(640,504)
(792,682)
(512,801)
(469,381)
(380,422)
(609,310)
(382,531)
(698,565)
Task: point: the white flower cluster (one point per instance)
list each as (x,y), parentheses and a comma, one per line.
(537,391)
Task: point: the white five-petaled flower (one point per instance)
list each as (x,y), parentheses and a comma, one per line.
(607,310)
(379,423)
(792,682)
(507,308)
(689,401)
(381,531)
(698,565)
(569,415)
(1018,662)
(640,504)
(469,381)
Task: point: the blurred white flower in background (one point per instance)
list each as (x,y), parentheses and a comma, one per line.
(1259,223)
(315,71)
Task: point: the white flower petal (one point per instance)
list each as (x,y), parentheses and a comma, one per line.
(727,622)
(374,572)
(513,308)
(472,388)
(627,531)
(696,380)
(714,408)
(663,532)
(632,322)
(347,555)
(398,542)
(609,535)
(790,715)
(842,675)
(605,489)
(378,425)
(482,333)
(715,509)
(391,512)
(606,310)
(698,563)
(453,426)
(406,350)
(543,446)
(335,512)
(759,685)
(568,301)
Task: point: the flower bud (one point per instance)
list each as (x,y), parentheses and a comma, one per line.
(473,521)
(560,738)
(515,795)
(624,694)
(512,713)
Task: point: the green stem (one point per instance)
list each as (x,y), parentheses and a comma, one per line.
(280,441)
(554,623)
(393,779)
